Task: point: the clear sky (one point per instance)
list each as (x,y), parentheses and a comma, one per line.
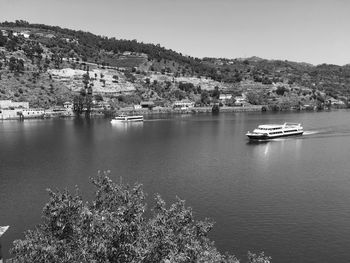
(313,31)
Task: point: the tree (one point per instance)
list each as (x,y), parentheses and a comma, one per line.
(281,90)
(179,94)
(98,97)
(20,65)
(3,39)
(11,45)
(88,101)
(86,79)
(114,228)
(256,97)
(205,97)
(78,102)
(84,99)
(12,64)
(215,93)
(107,230)
(187,87)
(16,65)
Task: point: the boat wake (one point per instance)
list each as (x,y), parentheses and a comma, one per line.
(326,133)
(311,132)
(155,120)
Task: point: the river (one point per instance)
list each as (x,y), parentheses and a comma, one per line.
(287,197)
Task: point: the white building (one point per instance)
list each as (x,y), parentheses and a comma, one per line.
(137,107)
(224,97)
(336,102)
(8,104)
(183,104)
(6,114)
(68,105)
(240,99)
(33,113)
(4,32)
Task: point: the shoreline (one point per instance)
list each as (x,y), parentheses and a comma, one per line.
(193,110)
(161,111)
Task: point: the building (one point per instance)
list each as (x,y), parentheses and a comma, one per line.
(240,100)
(335,102)
(6,114)
(8,104)
(147,104)
(137,107)
(32,113)
(4,33)
(183,104)
(225,98)
(68,105)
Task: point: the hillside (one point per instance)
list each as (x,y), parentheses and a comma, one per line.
(48,65)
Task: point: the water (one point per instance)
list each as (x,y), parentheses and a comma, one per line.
(287,197)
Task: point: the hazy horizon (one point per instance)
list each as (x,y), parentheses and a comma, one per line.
(310,31)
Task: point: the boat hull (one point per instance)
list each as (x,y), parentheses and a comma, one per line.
(269,137)
(127,118)
(119,121)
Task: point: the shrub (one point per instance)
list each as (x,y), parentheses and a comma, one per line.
(281,90)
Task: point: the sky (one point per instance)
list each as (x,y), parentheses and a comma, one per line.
(312,31)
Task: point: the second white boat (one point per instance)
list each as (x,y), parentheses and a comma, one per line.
(127,118)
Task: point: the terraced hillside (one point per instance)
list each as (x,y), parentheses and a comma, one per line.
(47,65)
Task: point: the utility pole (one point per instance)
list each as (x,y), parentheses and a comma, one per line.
(3,229)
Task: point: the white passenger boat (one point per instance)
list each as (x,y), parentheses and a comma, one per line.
(270,131)
(127,118)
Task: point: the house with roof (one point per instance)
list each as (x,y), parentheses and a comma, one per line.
(240,100)
(4,33)
(147,104)
(68,105)
(183,104)
(225,98)
(335,102)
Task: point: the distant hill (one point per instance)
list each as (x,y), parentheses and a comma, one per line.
(33,58)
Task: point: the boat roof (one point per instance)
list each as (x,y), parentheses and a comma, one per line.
(267,126)
(130,116)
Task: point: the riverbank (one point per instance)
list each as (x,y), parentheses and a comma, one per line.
(169,110)
(143,111)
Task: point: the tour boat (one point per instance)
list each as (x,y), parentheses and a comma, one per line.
(270,131)
(127,118)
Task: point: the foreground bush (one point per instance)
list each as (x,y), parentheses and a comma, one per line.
(114,228)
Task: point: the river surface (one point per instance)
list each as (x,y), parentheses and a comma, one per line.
(287,197)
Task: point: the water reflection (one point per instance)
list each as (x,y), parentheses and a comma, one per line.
(296,190)
(127,126)
(255,142)
(263,151)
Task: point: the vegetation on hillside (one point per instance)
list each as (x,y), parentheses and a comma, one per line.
(33,56)
(114,228)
